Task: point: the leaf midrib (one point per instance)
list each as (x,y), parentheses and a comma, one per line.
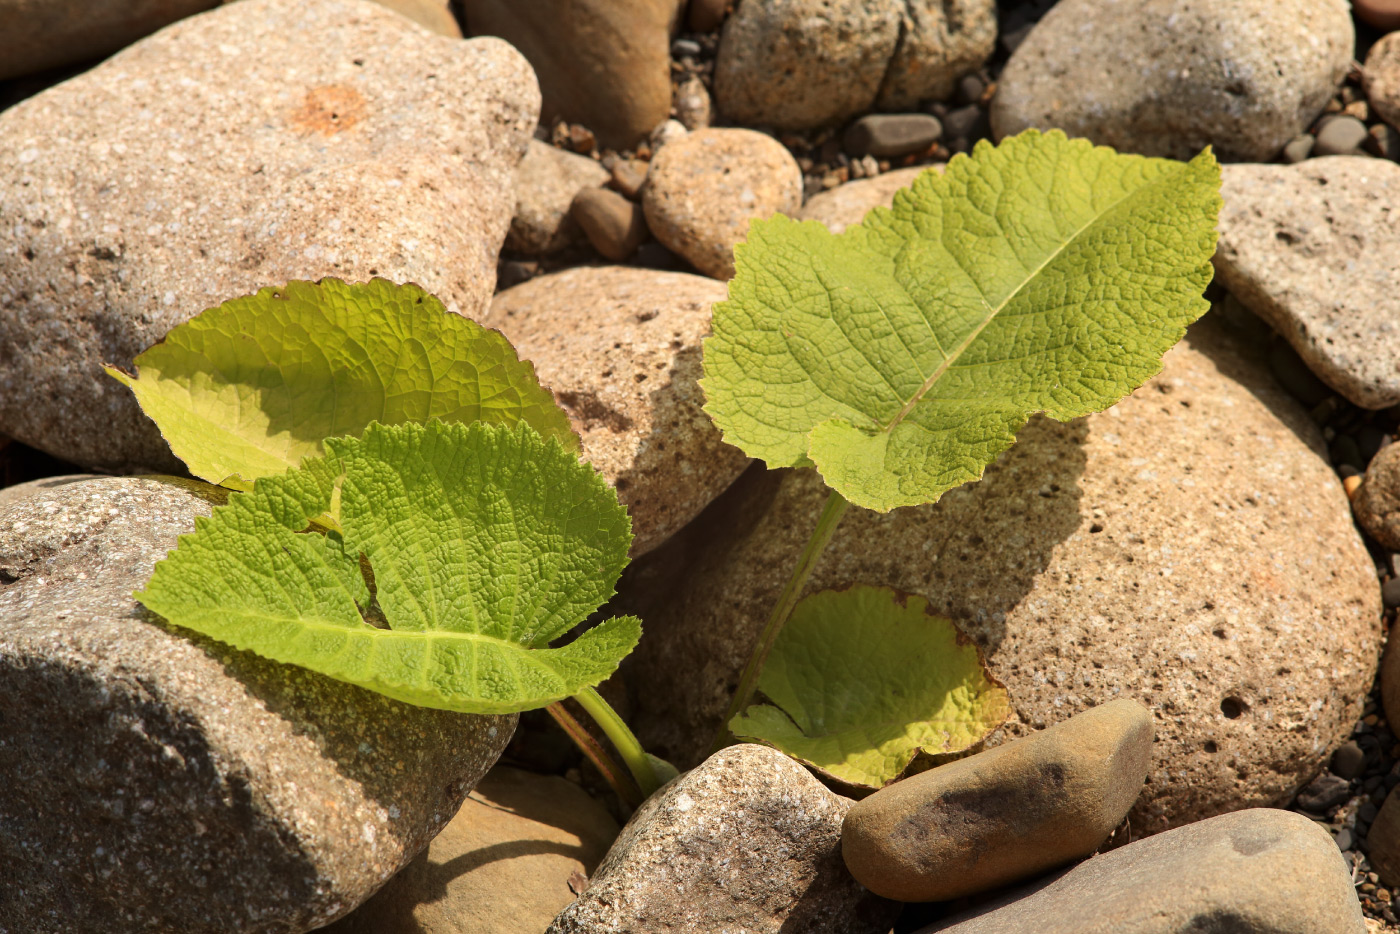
(972,336)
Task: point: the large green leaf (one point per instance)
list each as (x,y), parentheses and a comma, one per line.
(250,388)
(484,543)
(864,679)
(901,357)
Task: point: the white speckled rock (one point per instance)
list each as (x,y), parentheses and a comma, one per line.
(157,781)
(40,34)
(545,184)
(1190,549)
(1169,77)
(254,144)
(848,204)
(620,349)
(703,190)
(1311,248)
(748,841)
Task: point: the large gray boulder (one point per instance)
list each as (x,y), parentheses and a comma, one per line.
(157,781)
(260,142)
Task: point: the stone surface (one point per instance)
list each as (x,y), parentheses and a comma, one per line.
(1003,815)
(847,204)
(257,143)
(502,866)
(1382,76)
(1310,248)
(1261,871)
(1383,841)
(614,225)
(602,63)
(25,490)
(1382,14)
(158,781)
(887,136)
(1377,500)
(692,104)
(620,349)
(545,184)
(1169,77)
(39,34)
(1340,135)
(1190,549)
(940,41)
(795,64)
(748,841)
(702,191)
(433,15)
(629,175)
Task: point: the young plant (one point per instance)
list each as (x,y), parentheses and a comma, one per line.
(1043,275)
(415,517)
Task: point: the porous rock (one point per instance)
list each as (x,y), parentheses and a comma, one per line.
(796,64)
(546,182)
(620,349)
(940,41)
(1003,815)
(39,34)
(1377,500)
(1169,77)
(848,204)
(747,841)
(254,144)
(1189,548)
(703,190)
(1382,77)
(1310,248)
(602,63)
(1264,871)
(159,781)
(503,865)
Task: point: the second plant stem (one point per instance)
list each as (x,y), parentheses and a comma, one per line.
(830,518)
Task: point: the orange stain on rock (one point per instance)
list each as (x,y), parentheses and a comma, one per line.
(330,109)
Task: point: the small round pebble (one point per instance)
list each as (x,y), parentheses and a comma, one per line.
(1384,142)
(1348,761)
(1390,593)
(685,48)
(889,136)
(693,107)
(629,175)
(1342,135)
(614,225)
(1345,839)
(1382,73)
(1299,148)
(1377,502)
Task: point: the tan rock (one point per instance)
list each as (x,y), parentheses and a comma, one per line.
(614,225)
(1377,500)
(848,204)
(1383,840)
(747,841)
(1261,870)
(502,866)
(692,104)
(602,63)
(1190,549)
(433,15)
(263,153)
(1382,74)
(546,182)
(1003,815)
(703,189)
(213,789)
(39,34)
(19,491)
(620,348)
(940,41)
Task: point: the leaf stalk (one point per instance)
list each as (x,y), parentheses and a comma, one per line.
(625,787)
(623,739)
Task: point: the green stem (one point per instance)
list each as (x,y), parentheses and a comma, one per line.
(830,518)
(622,739)
(626,789)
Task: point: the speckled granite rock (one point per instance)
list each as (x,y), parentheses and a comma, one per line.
(40,34)
(1311,249)
(260,142)
(1190,549)
(158,782)
(1382,73)
(1377,500)
(939,42)
(19,491)
(1169,77)
(704,188)
(748,841)
(545,184)
(620,348)
(848,204)
(502,866)
(1261,871)
(1003,815)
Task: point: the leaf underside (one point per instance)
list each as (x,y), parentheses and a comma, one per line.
(250,388)
(902,356)
(485,542)
(862,680)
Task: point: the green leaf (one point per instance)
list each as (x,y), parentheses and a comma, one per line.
(485,543)
(901,357)
(250,388)
(866,678)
